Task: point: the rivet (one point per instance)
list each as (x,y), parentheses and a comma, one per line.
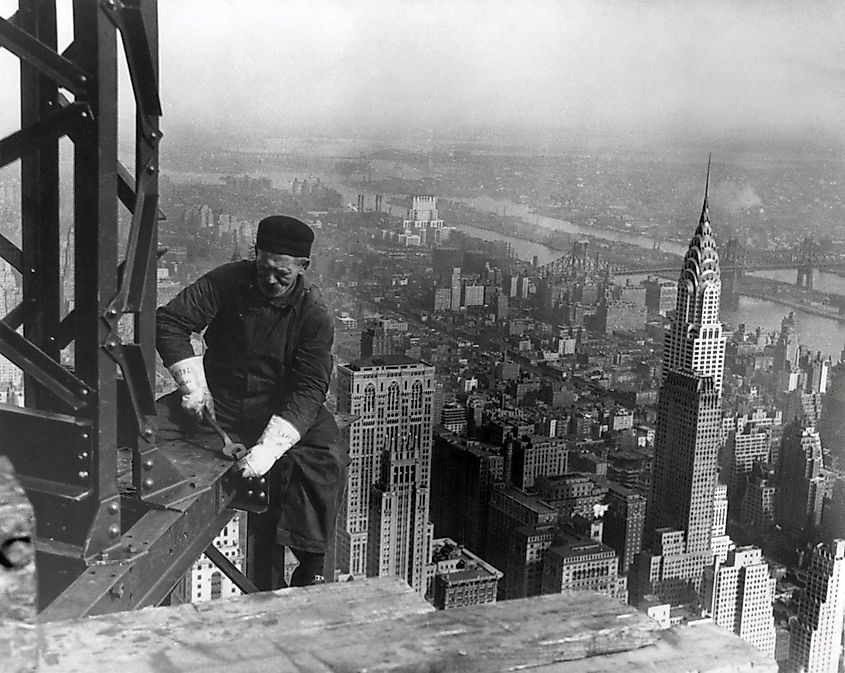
(84,393)
(82,80)
(148,483)
(250,493)
(262,481)
(151,169)
(111,344)
(84,435)
(83,455)
(83,474)
(148,432)
(113,508)
(148,464)
(112,312)
(114,530)
(262,495)
(17,552)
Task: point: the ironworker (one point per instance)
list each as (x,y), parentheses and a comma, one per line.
(264,377)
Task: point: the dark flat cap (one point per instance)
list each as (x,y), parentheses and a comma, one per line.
(284,235)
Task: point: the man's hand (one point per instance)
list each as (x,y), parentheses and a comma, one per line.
(189,375)
(278,437)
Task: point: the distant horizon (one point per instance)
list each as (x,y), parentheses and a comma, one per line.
(642,69)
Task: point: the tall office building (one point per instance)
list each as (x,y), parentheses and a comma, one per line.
(687,438)
(815,642)
(739,594)
(463,473)
(384,525)
(802,482)
(623,523)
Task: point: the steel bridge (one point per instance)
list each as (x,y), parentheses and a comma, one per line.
(120,516)
(735,261)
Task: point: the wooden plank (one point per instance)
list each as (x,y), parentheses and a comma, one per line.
(382,625)
(18,587)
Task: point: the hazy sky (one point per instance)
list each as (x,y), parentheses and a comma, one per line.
(272,64)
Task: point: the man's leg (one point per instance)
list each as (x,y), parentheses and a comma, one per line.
(310,565)
(311,479)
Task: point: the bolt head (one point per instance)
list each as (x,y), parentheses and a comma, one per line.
(148,432)
(114,530)
(148,464)
(83,456)
(83,474)
(148,483)
(114,508)
(112,312)
(17,553)
(250,493)
(262,495)
(84,435)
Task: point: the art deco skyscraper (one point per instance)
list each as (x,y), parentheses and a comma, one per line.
(739,594)
(680,509)
(387,499)
(815,642)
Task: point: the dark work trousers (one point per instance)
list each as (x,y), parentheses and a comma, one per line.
(305,488)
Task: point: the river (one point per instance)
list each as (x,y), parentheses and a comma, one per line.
(815,332)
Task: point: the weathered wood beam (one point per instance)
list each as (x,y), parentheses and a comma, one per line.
(382,625)
(18,604)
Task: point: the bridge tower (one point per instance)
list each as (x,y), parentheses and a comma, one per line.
(733,258)
(807,258)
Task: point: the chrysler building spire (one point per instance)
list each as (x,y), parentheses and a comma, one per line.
(695,341)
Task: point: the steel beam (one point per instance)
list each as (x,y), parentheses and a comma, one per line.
(45,370)
(40,52)
(159,545)
(230,570)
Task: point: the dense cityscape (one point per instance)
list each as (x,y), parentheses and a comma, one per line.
(533,426)
(467,336)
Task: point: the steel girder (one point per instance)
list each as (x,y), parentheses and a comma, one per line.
(103,543)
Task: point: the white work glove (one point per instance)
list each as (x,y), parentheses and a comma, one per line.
(189,375)
(278,437)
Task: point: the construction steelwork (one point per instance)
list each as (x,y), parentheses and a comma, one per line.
(120,516)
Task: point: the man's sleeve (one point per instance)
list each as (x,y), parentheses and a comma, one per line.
(188,312)
(311,371)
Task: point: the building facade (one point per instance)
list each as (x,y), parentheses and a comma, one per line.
(688,433)
(739,594)
(387,499)
(815,643)
(459,578)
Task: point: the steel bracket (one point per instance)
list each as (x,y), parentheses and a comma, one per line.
(44,369)
(62,122)
(62,71)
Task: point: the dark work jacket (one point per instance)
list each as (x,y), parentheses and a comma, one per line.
(264,356)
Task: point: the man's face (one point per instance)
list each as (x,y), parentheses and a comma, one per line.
(277,273)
